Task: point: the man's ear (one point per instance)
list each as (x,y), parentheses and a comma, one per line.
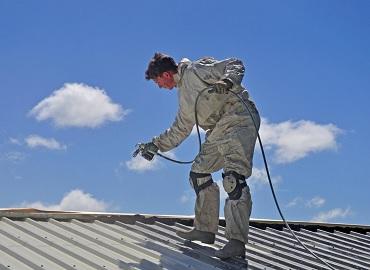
(166,74)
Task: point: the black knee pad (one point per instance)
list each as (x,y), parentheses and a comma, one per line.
(233,184)
(194,181)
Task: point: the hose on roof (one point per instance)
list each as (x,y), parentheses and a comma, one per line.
(266,168)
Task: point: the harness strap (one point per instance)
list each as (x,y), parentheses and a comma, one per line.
(235,174)
(194,179)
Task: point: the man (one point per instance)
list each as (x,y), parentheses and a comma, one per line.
(229,143)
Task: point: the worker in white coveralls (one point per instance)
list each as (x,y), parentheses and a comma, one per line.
(229,143)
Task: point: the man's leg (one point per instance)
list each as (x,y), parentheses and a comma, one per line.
(237,209)
(208,195)
(207,205)
(238,156)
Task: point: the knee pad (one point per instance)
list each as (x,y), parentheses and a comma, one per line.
(233,184)
(200,181)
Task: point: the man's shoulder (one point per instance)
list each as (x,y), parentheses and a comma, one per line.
(185,61)
(206,60)
(203,61)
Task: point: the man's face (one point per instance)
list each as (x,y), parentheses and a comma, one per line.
(165,80)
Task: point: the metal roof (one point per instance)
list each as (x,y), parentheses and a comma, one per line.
(57,240)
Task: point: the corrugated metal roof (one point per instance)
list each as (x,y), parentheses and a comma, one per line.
(31,240)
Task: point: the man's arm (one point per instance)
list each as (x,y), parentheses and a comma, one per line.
(177,133)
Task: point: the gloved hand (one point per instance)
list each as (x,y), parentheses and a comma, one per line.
(221,86)
(149,150)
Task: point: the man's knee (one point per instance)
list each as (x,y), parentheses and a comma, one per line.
(200,181)
(233,184)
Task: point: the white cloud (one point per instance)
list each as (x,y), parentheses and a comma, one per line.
(332,214)
(13,156)
(170,154)
(78,105)
(294,202)
(259,176)
(14,141)
(187,196)
(75,200)
(295,140)
(315,202)
(34,141)
(140,164)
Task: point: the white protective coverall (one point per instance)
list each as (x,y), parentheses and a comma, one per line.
(229,143)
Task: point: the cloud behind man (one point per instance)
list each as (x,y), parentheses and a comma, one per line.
(34,141)
(292,141)
(333,214)
(78,105)
(75,200)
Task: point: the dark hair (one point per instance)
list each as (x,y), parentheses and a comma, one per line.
(158,64)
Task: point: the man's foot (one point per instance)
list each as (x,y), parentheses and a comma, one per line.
(196,235)
(233,248)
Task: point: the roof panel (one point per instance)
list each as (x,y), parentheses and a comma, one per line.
(88,241)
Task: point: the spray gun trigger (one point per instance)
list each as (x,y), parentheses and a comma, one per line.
(138,150)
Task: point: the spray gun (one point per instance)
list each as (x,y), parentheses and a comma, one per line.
(146,150)
(139,149)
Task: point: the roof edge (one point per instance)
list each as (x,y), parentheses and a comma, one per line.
(22,213)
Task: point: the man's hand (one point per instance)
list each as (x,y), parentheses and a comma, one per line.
(221,86)
(149,150)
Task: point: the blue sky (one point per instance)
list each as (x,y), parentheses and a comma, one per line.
(74,102)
